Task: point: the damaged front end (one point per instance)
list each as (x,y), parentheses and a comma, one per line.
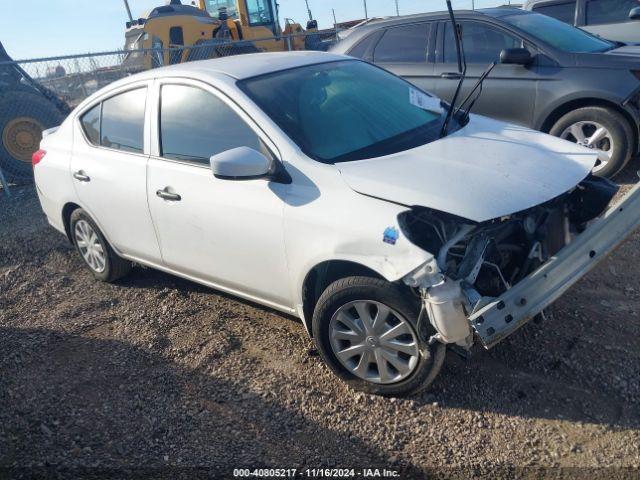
(467,288)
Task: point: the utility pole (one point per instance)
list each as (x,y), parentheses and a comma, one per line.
(473,4)
(366,14)
(335,22)
(126,5)
(397,9)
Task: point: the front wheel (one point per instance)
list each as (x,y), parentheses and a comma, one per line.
(366,332)
(603,130)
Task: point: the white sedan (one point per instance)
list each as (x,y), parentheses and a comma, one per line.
(327,188)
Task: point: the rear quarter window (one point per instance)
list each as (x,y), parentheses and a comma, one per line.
(90,122)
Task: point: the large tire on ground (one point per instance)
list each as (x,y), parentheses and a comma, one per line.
(23,117)
(367,333)
(95,251)
(581,125)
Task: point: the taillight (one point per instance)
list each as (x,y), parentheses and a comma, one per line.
(37,157)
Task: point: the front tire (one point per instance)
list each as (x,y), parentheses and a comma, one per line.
(365,330)
(95,251)
(602,129)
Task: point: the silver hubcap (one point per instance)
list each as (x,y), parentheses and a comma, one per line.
(90,246)
(373,342)
(592,135)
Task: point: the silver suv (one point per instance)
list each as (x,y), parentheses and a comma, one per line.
(550,76)
(611,19)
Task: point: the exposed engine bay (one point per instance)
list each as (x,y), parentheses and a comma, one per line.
(481,260)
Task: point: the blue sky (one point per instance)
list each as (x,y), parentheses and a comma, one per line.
(41,28)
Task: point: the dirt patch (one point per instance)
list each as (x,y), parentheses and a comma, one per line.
(156,371)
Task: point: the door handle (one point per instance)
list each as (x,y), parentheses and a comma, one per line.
(451,75)
(81,176)
(165,195)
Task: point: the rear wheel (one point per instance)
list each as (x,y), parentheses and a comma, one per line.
(366,331)
(94,249)
(603,130)
(23,117)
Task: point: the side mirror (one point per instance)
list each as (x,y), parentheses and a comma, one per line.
(515,56)
(242,163)
(634,14)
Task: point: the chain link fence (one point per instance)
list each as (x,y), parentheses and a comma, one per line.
(72,78)
(38,94)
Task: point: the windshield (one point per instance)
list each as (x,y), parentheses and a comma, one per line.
(346,110)
(558,34)
(214,6)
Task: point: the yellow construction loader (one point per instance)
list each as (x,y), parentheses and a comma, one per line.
(160,38)
(258,19)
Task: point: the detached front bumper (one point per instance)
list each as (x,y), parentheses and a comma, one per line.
(500,317)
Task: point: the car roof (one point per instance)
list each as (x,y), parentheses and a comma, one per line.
(363,31)
(490,12)
(241,67)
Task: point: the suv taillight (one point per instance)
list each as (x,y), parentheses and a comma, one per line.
(37,157)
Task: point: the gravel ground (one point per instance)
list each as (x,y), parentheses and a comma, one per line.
(160,375)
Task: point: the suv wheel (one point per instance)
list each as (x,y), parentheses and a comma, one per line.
(601,129)
(94,249)
(365,329)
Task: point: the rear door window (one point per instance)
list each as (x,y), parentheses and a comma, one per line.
(609,11)
(406,44)
(123,121)
(195,125)
(482,43)
(564,11)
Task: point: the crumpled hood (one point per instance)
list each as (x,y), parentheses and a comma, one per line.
(484,171)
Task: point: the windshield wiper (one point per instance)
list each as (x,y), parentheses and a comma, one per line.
(478,87)
(462,69)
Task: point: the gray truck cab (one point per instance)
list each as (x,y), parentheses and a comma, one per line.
(617,20)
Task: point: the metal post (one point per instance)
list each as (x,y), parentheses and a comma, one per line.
(473,4)
(397,9)
(335,22)
(126,5)
(366,14)
(308,9)
(5,185)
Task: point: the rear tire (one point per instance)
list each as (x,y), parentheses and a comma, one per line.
(98,256)
(620,143)
(352,292)
(23,117)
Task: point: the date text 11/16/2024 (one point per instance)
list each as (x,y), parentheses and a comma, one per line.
(316,473)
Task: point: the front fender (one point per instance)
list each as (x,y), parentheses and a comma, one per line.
(364,231)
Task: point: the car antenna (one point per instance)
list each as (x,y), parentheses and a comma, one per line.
(462,68)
